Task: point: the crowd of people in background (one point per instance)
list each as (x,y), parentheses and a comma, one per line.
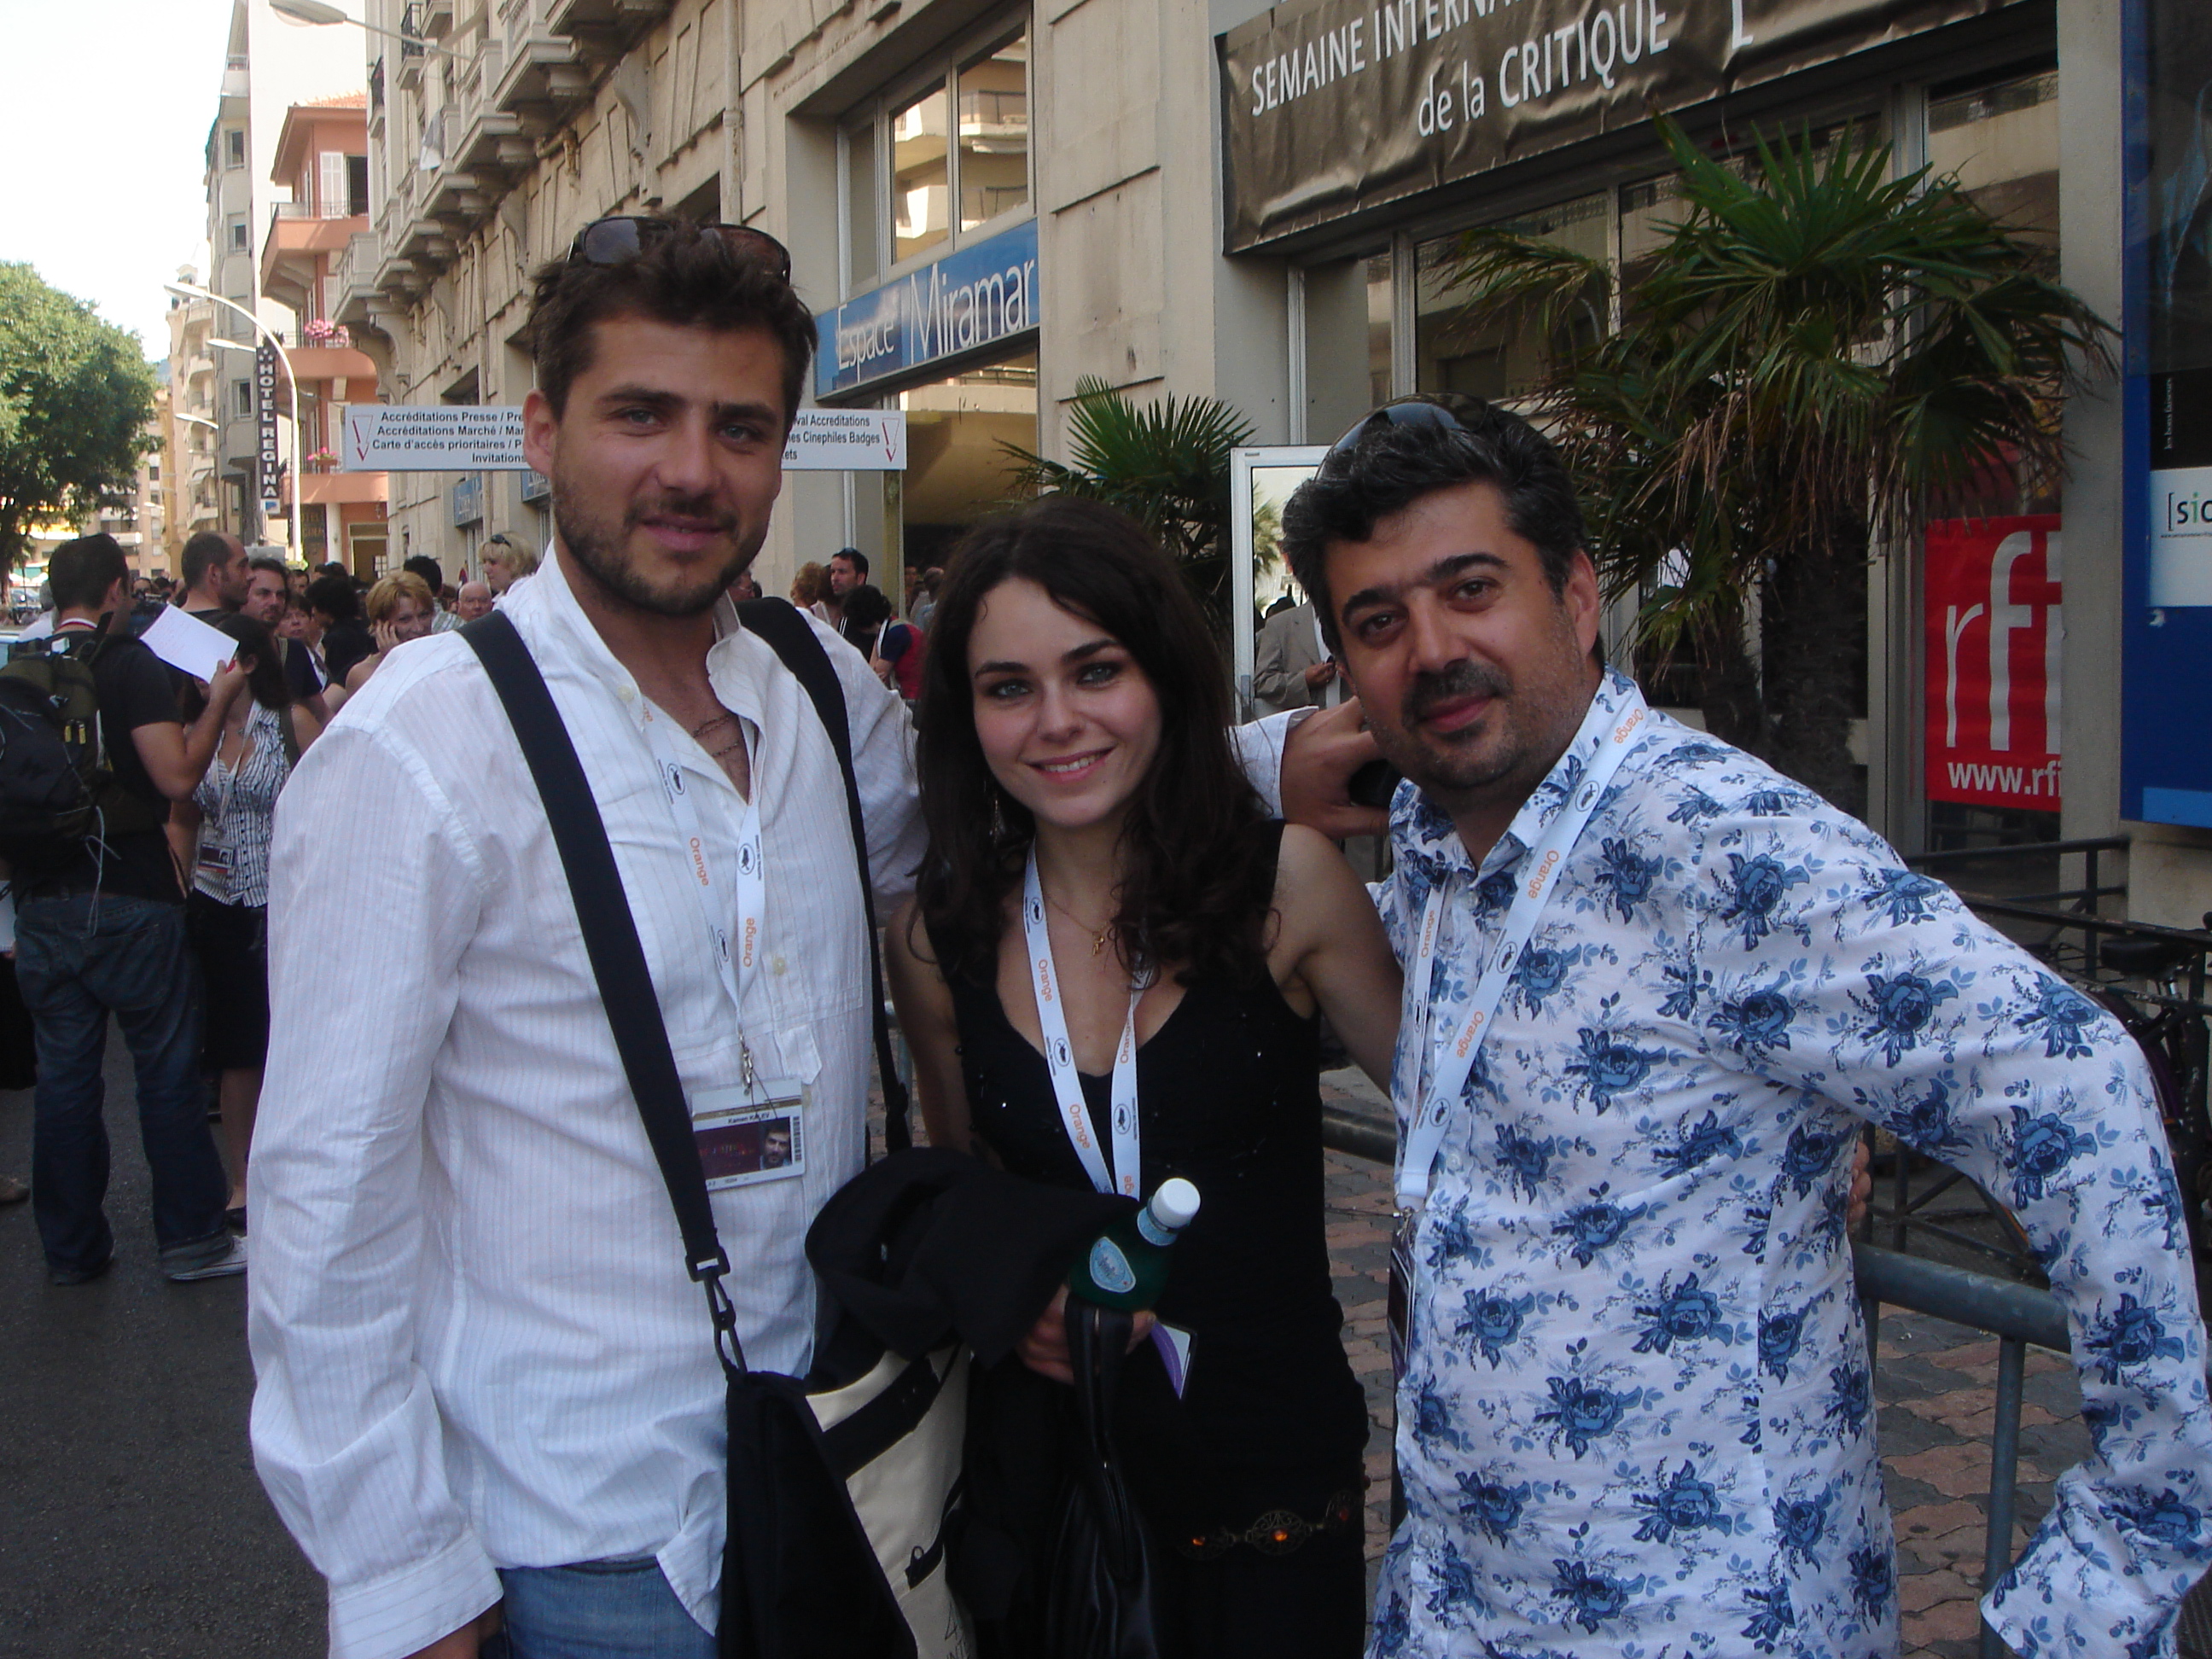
(841,595)
(186,971)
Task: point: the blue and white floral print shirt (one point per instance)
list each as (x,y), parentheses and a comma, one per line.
(1637,1418)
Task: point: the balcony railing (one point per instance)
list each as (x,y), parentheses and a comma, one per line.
(411,30)
(441,128)
(355,263)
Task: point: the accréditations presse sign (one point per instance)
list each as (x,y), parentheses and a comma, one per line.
(1332,107)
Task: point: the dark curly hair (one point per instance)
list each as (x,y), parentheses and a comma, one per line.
(684,276)
(1389,466)
(1192,894)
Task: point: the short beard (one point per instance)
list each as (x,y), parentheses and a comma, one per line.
(1438,768)
(600,552)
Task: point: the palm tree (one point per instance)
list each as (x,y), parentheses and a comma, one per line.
(1821,356)
(1164,463)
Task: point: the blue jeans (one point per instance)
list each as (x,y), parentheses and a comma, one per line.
(595,1610)
(79,957)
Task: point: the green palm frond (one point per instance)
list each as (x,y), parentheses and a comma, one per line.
(1165,463)
(1820,353)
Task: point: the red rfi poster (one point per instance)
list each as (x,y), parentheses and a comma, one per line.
(1994,633)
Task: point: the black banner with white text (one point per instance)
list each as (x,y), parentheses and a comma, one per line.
(1340,106)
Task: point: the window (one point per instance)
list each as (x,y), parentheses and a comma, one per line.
(924,167)
(242,398)
(356,186)
(241,238)
(1494,358)
(995,134)
(2002,141)
(233,143)
(1379,361)
(921,176)
(331,184)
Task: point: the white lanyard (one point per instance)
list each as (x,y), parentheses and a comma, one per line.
(1453,1057)
(1059,1055)
(734,962)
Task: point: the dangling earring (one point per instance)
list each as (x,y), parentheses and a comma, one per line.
(998,818)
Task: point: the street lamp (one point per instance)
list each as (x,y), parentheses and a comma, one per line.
(317,15)
(190,292)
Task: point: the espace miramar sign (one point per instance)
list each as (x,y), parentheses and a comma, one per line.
(1331,107)
(974,297)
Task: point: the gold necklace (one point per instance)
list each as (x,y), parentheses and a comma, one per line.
(1098,935)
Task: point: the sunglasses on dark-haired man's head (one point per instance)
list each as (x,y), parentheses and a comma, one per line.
(619,240)
(1408,412)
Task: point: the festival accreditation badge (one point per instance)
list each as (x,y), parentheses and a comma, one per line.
(746,1136)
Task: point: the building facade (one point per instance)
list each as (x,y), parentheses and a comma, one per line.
(269,65)
(197,417)
(322,161)
(987,204)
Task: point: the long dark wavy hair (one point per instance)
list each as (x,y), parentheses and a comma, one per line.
(266,684)
(1194,895)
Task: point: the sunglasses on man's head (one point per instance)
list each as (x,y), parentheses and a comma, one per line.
(1412,412)
(617,240)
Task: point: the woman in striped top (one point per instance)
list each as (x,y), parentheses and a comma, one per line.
(227,911)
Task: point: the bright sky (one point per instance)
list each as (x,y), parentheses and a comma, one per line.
(104,107)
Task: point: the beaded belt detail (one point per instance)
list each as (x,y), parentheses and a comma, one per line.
(1278,1532)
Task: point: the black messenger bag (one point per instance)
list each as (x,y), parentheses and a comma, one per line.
(836,1498)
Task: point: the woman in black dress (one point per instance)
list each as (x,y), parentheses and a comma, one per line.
(1087,814)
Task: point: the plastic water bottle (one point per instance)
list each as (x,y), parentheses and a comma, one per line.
(1127,1265)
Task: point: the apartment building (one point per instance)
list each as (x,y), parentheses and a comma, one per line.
(194,419)
(322,159)
(987,202)
(270,63)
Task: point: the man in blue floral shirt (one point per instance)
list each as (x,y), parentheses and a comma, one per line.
(1637,1416)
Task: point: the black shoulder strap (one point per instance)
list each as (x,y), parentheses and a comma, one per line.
(611,942)
(795,644)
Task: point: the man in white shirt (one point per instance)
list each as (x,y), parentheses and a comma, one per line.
(489,1393)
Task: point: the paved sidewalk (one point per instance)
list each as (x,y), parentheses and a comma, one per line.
(1934,1385)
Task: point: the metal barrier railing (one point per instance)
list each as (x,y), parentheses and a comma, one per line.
(2089,849)
(2016,1314)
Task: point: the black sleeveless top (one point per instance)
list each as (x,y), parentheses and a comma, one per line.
(1228,1096)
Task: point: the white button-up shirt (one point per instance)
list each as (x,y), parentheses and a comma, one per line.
(476,1343)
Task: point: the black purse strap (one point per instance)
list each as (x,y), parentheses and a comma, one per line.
(617,956)
(795,644)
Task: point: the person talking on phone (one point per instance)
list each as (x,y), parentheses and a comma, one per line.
(1654,991)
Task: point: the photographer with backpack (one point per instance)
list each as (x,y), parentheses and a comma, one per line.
(92,754)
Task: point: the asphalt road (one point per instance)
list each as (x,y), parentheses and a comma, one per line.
(132,1525)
